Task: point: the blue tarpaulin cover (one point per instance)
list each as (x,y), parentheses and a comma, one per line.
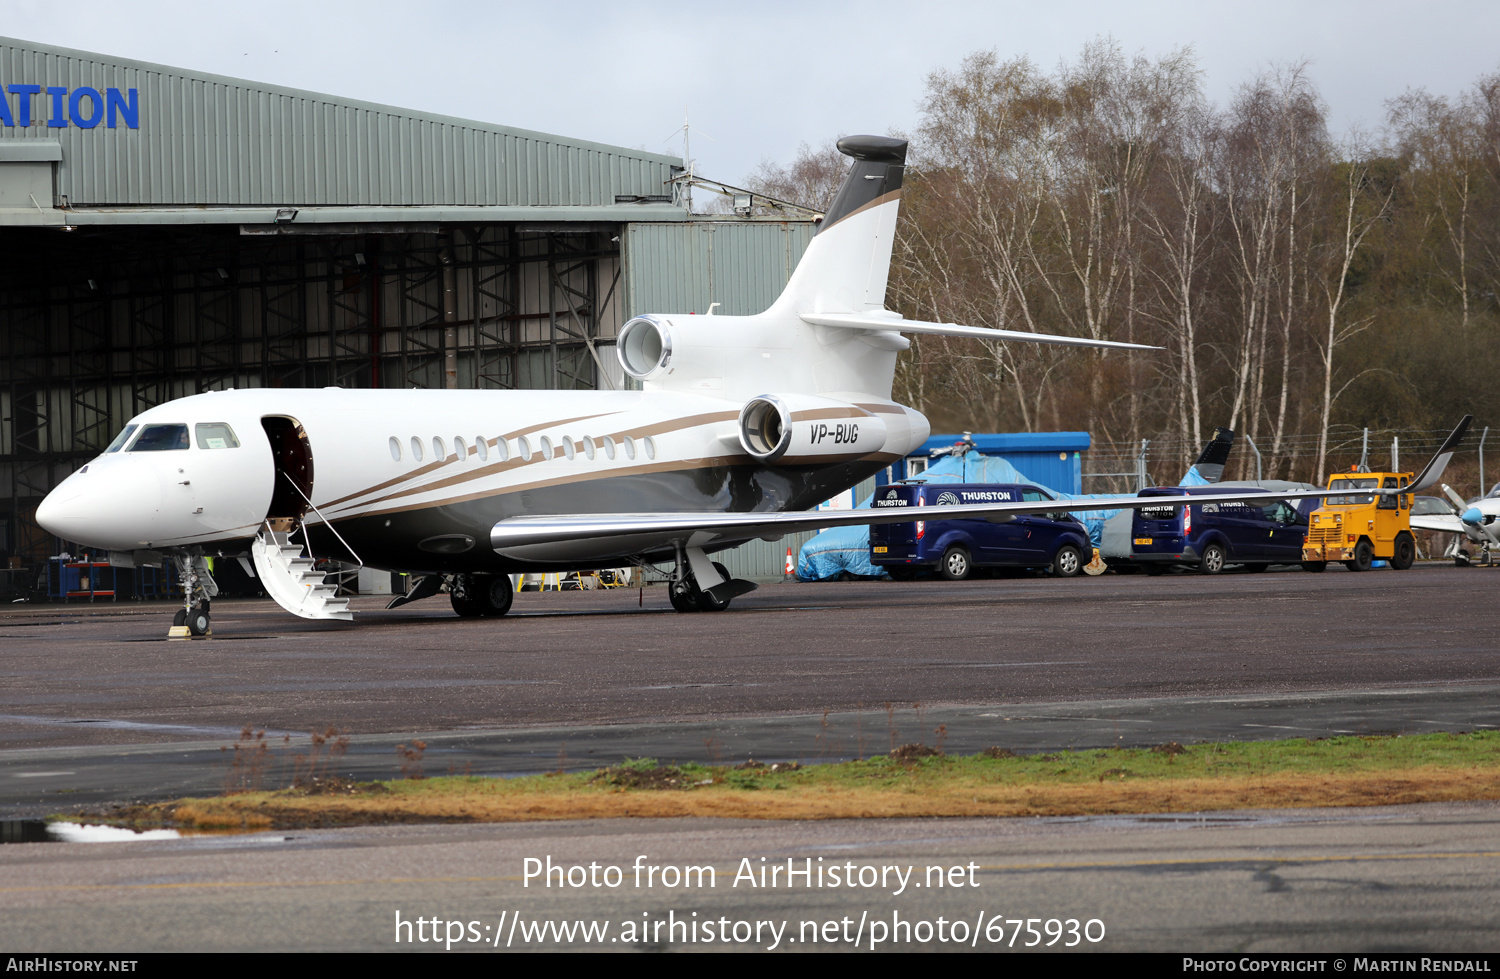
(847,549)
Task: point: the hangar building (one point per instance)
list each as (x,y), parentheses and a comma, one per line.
(167,232)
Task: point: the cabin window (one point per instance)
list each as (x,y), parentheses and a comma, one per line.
(649,444)
(395,448)
(523,448)
(160,438)
(608,445)
(416,449)
(629,447)
(588,448)
(439,451)
(568,448)
(460,449)
(502,449)
(215,435)
(122,438)
(482,449)
(546,448)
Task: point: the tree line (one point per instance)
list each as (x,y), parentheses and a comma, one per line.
(1298,283)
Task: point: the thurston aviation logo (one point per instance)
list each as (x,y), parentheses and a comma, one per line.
(84,107)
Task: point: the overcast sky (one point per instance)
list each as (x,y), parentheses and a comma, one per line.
(756,79)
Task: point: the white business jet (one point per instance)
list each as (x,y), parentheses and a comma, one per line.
(743,423)
(1478,520)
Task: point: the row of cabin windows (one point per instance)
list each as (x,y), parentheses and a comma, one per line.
(164,438)
(589,447)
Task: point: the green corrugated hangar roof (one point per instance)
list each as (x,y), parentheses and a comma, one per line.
(113,141)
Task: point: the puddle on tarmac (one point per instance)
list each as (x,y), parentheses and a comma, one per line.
(41,831)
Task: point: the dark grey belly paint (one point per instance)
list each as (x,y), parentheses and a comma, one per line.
(391,540)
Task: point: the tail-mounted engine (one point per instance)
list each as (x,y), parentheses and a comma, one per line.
(800,429)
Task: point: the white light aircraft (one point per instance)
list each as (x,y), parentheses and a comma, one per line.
(743,423)
(1478,520)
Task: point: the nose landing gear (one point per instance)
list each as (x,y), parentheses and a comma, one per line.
(199,588)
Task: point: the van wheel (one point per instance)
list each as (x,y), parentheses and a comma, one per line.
(1364,557)
(1315,566)
(955,565)
(1212,561)
(1406,552)
(1067,562)
(901,572)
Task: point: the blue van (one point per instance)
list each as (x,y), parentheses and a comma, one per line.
(954,548)
(1210,536)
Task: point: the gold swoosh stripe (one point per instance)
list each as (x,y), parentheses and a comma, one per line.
(676,424)
(439,463)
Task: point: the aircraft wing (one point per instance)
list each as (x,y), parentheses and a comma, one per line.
(895,324)
(700,529)
(1442,523)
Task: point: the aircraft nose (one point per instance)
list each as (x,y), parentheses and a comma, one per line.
(1473,516)
(112,510)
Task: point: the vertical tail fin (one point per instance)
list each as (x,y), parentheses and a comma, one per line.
(848,262)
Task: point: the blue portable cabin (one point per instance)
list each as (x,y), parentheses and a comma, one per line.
(1052,459)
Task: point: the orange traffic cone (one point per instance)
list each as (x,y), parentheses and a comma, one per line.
(791,568)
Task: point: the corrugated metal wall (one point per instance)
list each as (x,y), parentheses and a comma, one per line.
(206,139)
(685,267)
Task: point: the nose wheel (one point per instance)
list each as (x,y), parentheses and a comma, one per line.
(199,589)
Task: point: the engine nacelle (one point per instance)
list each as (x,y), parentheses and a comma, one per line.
(800,429)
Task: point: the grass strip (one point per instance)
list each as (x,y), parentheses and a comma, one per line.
(1343,771)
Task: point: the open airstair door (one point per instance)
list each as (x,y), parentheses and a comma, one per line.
(286,570)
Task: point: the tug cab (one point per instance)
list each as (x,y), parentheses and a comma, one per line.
(1359,529)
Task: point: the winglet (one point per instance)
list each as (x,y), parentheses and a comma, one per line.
(1433,471)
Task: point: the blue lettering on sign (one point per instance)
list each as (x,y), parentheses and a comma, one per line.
(58,120)
(84,106)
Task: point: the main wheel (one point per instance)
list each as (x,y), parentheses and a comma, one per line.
(495,591)
(682,601)
(901,572)
(1067,562)
(180,618)
(955,565)
(1406,552)
(1461,559)
(463,593)
(197,622)
(1212,561)
(1314,566)
(1364,556)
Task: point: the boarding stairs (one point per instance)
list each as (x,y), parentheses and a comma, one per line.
(289,575)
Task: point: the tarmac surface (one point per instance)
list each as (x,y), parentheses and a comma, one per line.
(1407,878)
(96,706)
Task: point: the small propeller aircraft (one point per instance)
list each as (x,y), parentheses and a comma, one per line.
(1478,520)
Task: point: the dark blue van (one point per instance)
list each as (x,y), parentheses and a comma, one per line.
(1210,536)
(954,548)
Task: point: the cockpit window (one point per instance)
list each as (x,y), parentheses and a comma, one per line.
(122,438)
(215,435)
(160,438)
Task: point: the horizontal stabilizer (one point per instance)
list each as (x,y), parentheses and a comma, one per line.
(895,324)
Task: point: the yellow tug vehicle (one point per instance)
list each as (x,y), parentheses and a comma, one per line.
(1358,529)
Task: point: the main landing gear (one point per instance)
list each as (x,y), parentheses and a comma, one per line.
(476,595)
(687,591)
(198,588)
